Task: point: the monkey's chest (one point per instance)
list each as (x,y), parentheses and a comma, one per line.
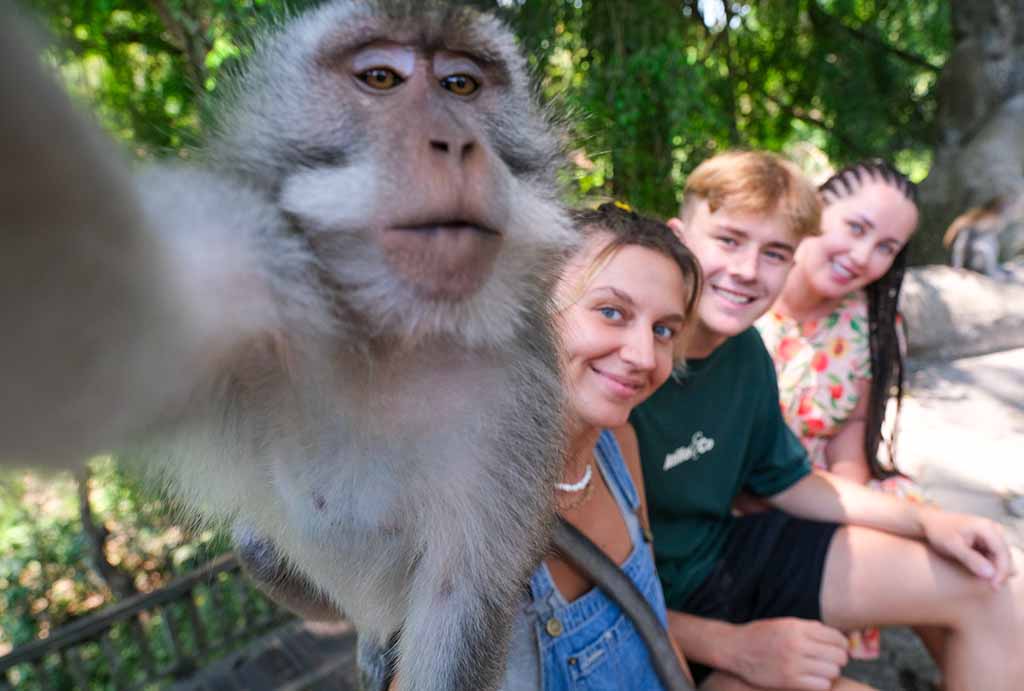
(373,478)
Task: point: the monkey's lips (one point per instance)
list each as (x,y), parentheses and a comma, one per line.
(444,261)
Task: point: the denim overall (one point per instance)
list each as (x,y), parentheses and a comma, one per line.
(589,644)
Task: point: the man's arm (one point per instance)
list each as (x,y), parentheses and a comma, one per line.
(770,653)
(977,543)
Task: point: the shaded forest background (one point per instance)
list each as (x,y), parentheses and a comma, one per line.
(651,88)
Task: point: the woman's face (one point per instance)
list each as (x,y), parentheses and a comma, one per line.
(861,234)
(619,328)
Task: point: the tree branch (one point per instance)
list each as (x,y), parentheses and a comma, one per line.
(187,44)
(118,37)
(818,12)
(803,116)
(119,582)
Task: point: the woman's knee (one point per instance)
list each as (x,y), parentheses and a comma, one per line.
(998,609)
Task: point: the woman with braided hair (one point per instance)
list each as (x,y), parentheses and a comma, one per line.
(833,333)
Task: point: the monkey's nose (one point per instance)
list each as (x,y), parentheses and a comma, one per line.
(445,146)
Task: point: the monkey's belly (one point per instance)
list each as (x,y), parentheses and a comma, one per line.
(349,528)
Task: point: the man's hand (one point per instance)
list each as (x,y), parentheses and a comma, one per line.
(977,543)
(788,653)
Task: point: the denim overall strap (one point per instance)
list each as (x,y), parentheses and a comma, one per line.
(620,482)
(616,472)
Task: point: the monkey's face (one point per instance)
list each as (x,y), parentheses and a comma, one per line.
(409,153)
(861,234)
(618,329)
(745,259)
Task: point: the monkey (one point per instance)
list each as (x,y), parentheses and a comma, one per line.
(330,328)
(980,237)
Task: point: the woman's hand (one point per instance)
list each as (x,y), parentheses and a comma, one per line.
(977,543)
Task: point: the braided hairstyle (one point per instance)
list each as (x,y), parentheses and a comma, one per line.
(887,367)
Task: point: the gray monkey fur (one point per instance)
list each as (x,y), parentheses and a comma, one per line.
(232,323)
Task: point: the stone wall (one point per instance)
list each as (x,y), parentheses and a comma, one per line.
(953,313)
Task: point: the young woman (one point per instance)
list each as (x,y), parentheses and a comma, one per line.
(833,332)
(624,302)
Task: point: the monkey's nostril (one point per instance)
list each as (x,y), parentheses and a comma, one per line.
(467,149)
(439,146)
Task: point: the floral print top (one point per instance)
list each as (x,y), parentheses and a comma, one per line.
(820,366)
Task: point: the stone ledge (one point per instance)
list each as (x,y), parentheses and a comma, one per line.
(954,313)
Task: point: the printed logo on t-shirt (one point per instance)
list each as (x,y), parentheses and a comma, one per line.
(699,445)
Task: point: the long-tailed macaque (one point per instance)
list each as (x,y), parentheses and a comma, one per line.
(980,238)
(332,330)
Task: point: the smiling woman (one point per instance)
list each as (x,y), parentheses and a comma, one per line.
(625,304)
(832,333)
(621,331)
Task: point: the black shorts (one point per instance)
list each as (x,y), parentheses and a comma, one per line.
(771,566)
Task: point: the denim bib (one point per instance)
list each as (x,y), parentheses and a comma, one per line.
(589,644)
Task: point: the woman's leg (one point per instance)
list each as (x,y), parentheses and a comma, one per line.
(874,578)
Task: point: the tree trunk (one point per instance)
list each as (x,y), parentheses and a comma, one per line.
(979,151)
(119,582)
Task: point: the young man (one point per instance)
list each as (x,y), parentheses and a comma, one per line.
(761,600)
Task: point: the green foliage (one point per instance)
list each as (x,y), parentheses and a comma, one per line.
(661,86)
(46,574)
(654,87)
(146,67)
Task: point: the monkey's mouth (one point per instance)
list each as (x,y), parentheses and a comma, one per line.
(447,260)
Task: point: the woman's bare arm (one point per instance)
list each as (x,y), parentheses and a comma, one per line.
(845,453)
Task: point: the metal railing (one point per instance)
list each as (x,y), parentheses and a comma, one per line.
(148,640)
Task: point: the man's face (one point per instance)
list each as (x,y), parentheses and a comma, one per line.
(745,259)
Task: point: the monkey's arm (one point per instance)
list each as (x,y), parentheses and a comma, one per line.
(114,301)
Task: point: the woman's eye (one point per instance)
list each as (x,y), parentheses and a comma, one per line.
(664,332)
(727,241)
(887,250)
(381,78)
(856,229)
(610,313)
(777,257)
(460,84)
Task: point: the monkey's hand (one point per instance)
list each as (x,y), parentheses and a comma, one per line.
(118,294)
(279,580)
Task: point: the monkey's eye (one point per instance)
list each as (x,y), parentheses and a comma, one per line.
(380,78)
(460,84)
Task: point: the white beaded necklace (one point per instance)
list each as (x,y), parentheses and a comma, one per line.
(578,486)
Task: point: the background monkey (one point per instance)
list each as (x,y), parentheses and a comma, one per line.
(333,332)
(982,237)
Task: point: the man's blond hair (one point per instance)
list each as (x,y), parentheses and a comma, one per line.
(758,183)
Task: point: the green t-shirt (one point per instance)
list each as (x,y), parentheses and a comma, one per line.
(705,437)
